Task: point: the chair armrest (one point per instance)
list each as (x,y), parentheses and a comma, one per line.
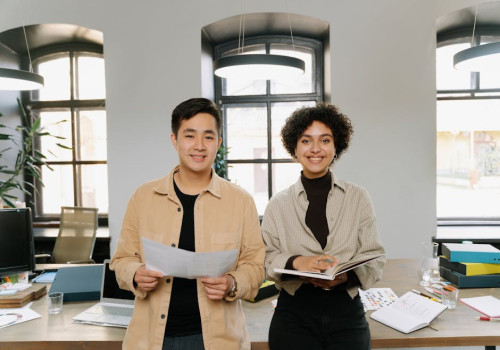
(39,256)
(91,261)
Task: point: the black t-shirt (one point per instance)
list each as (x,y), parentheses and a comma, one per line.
(184,313)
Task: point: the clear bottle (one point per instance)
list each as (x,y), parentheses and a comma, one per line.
(435,276)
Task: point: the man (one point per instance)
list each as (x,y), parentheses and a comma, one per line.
(193,209)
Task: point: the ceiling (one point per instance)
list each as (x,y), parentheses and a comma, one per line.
(48,34)
(265,24)
(488,15)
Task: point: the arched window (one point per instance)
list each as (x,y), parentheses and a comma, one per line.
(255,111)
(70,105)
(468,133)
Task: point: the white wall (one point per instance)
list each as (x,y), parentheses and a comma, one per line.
(383,78)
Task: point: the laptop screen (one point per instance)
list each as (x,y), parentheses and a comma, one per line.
(110,289)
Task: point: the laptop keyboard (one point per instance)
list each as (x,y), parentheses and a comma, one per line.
(112,310)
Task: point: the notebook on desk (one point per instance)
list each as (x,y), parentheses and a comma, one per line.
(115,307)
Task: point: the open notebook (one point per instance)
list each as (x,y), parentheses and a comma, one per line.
(115,307)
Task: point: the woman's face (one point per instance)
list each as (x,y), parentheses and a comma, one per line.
(315,150)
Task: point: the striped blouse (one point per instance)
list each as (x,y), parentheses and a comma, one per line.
(352,232)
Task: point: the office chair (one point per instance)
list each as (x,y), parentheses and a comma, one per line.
(76,238)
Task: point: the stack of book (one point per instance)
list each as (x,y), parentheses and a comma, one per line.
(470,265)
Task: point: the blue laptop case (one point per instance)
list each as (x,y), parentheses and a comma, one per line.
(79,283)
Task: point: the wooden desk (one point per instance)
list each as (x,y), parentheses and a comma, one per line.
(456,327)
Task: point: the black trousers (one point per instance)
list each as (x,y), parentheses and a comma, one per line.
(317,319)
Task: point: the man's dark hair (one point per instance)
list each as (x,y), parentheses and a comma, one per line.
(189,108)
(329,115)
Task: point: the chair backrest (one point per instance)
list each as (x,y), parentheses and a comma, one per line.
(77,234)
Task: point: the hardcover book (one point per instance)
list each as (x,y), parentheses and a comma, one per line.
(463,281)
(334,270)
(467,252)
(409,313)
(469,269)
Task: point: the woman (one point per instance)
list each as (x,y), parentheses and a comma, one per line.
(314,224)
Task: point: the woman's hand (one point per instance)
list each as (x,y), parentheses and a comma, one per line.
(314,263)
(327,284)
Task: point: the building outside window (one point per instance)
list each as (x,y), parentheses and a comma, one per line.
(255,111)
(468,137)
(72,105)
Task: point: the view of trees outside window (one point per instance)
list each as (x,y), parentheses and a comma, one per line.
(254,113)
(71,105)
(468,140)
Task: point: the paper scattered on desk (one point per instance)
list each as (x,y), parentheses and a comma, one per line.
(15,286)
(177,262)
(10,317)
(377,298)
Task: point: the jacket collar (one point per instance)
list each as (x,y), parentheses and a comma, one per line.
(166,184)
(298,187)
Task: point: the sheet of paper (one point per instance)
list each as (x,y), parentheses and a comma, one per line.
(488,305)
(177,262)
(9,317)
(376,298)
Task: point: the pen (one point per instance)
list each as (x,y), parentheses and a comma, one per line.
(425,295)
(432,291)
(485,318)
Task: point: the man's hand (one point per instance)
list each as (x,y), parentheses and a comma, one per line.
(146,280)
(217,287)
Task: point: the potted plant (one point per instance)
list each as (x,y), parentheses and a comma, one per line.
(28,160)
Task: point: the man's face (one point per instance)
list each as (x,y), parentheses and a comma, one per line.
(197,143)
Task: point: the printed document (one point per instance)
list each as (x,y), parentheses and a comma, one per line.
(177,262)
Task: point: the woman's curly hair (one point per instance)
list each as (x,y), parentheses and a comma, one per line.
(329,115)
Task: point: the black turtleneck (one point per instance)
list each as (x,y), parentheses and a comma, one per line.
(317,193)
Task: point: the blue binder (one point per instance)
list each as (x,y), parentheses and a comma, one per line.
(463,281)
(466,252)
(78,283)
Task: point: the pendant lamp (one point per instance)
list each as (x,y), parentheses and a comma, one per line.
(258,66)
(480,58)
(15,79)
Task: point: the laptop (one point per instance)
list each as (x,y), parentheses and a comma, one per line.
(115,307)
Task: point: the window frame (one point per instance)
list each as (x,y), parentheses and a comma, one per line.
(268,99)
(73,106)
(457,36)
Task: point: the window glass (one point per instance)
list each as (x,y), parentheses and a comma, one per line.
(94,189)
(57,123)
(58,188)
(294,85)
(90,78)
(91,135)
(246,131)
(56,74)
(447,77)
(253,178)
(468,158)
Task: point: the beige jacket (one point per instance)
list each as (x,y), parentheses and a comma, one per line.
(225,218)
(352,225)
